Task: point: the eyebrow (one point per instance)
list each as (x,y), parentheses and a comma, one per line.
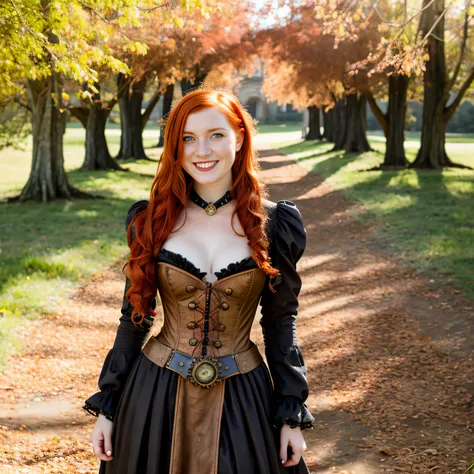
(210,130)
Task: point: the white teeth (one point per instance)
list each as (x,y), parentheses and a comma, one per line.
(205,165)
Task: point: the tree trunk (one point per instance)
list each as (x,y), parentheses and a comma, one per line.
(314,132)
(199,78)
(328,124)
(48,179)
(186,86)
(149,109)
(356,138)
(432,152)
(396,114)
(93,116)
(167,102)
(130,101)
(97,152)
(340,124)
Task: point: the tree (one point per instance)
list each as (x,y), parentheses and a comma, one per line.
(438,85)
(394,55)
(93,115)
(40,43)
(294,76)
(181,52)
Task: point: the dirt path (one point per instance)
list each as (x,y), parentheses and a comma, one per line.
(389,357)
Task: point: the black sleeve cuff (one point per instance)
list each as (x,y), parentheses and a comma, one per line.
(98,404)
(292,412)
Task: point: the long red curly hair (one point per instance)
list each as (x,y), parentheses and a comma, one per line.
(172,185)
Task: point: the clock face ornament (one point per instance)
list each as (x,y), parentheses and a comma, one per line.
(204,372)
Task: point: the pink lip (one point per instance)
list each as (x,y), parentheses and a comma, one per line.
(205,169)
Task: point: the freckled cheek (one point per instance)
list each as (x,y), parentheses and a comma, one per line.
(222,149)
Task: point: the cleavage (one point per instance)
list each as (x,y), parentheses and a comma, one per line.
(182,262)
(200,234)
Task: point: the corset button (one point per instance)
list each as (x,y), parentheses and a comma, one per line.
(193,341)
(225,305)
(217,343)
(221,327)
(191,305)
(228,291)
(192,325)
(190,288)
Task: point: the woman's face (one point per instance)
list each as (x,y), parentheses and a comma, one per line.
(209,146)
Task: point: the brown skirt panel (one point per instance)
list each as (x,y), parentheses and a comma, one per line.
(197,421)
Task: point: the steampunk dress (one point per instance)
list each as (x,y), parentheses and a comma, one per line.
(197,398)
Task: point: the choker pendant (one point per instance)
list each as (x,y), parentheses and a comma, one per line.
(209,207)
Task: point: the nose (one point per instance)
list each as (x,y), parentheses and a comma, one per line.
(203,149)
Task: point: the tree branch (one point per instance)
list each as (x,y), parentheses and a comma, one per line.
(26,106)
(151,105)
(433,26)
(81,113)
(461,53)
(449,111)
(377,111)
(111,104)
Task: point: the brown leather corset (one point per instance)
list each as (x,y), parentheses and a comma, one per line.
(218,315)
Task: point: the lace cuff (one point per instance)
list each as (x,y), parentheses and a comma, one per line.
(292,412)
(99,404)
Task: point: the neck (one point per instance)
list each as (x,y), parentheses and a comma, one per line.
(212,192)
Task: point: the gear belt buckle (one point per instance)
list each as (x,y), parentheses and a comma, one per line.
(204,371)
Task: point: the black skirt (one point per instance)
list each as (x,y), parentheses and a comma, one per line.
(143,426)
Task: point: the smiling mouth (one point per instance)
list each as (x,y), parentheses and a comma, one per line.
(205,165)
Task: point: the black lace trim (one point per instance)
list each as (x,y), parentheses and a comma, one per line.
(292,412)
(236,267)
(92,406)
(176,259)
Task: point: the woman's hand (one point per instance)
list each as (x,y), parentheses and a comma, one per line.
(294,438)
(102,438)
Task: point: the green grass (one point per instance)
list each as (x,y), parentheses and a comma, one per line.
(426,217)
(48,250)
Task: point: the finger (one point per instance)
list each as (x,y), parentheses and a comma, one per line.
(295,457)
(108,444)
(284,438)
(98,448)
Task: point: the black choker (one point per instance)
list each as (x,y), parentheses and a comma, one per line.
(209,207)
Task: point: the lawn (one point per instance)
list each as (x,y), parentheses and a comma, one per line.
(48,250)
(426,217)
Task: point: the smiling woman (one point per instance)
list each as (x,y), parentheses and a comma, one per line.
(206,151)
(197,398)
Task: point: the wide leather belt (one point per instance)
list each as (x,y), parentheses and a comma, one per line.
(202,371)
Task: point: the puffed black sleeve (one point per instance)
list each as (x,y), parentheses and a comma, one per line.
(287,237)
(126,348)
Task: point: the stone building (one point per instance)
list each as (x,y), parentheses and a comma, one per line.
(249,92)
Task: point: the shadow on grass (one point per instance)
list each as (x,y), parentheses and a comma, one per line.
(67,239)
(426,215)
